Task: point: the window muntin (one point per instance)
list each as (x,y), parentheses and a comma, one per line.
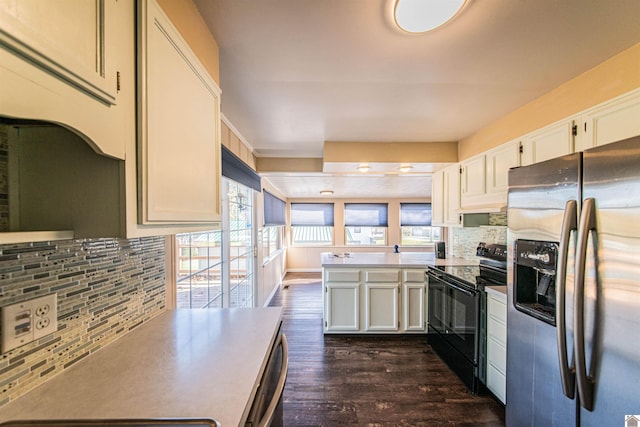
(199,270)
(240,208)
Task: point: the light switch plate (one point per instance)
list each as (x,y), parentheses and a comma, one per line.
(26,321)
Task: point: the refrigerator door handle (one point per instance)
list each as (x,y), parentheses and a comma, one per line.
(567,371)
(587,225)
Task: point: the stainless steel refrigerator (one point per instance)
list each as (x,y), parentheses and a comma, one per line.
(573,319)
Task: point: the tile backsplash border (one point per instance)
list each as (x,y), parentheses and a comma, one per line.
(105,288)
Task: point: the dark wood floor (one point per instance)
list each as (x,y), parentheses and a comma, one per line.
(367,380)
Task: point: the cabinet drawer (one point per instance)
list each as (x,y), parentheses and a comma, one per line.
(497,308)
(415,276)
(342,275)
(497,355)
(497,330)
(382,276)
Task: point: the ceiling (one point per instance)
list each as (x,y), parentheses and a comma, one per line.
(296,73)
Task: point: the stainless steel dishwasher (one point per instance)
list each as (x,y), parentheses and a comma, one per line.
(266,409)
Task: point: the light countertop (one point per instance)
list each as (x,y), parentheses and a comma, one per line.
(181,364)
(390,260)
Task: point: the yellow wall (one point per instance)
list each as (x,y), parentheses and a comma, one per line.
(614,77)
(187,19)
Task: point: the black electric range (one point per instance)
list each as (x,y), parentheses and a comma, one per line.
(457,311)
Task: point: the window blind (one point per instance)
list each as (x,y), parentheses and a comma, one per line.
(274,210)
(415,214)
(365,214)
(235,169)
(310,214)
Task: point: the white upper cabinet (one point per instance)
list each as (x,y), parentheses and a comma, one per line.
(452,196)
(610,122)
(445,197)
(437,198)
(548,143)
(472,181)
(484,178)
(67,57)
(499,161)
(179,127)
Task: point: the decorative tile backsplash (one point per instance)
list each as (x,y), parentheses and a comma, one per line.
(105,288)
(4,179)
(464,241)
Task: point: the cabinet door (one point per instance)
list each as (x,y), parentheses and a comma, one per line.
(499,161)
(342,307)
(179,127)
(473,178)
(70,39)
(381,306)
(497,345)
(414,312)
(74,62)
(611,122)
(437,198)
(382,286)
(551,142)
(452,196)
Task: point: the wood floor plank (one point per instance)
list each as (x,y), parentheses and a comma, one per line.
(338,380)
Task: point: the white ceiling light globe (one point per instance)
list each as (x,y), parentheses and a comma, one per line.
(419,16)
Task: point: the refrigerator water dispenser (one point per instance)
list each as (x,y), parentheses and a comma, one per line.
(534,290)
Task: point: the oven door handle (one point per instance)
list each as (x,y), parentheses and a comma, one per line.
(452,285)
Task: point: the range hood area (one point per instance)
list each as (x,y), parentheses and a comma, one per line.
(54,185)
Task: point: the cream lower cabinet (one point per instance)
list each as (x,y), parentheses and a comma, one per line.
(374,300)
(497,344)
(414,301)
(341,300)
(382,288)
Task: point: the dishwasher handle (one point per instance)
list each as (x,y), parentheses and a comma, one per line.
(265,421)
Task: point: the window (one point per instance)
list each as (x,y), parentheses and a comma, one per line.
(312,223)
(271,241)
(365,223)
(415,224)
(199,270)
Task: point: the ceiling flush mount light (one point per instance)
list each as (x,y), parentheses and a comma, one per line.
(364,168)
(419,16)
(326,193)
(405,168)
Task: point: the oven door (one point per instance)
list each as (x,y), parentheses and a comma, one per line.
(453,314)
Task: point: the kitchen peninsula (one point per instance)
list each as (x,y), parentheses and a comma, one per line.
(181,364)
(378,292)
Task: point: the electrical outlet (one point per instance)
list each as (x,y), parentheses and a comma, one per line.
(27,321)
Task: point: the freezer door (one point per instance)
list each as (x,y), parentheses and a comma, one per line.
(536,203)
(611,178)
